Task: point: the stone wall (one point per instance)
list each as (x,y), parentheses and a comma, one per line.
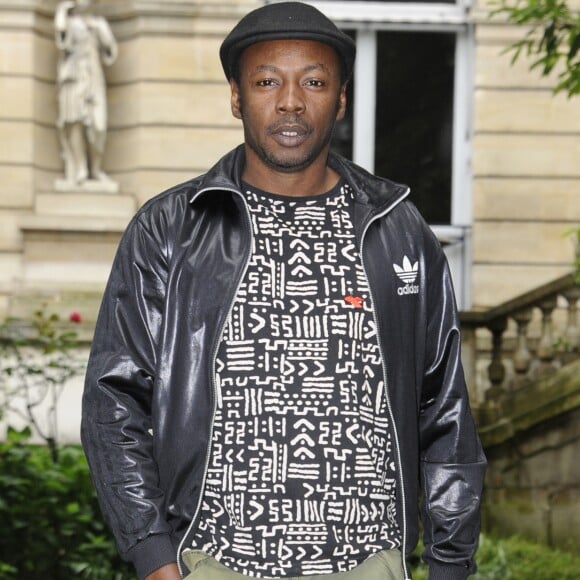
(526,169)
(533,478)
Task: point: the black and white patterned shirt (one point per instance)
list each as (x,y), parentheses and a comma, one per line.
(301,479)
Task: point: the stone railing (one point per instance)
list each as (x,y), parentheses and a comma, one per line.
(520,345)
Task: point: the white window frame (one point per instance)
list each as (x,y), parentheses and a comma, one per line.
(367,18)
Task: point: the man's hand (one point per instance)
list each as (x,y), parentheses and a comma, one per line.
(169,572)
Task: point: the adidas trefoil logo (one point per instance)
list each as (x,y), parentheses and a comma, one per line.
(407,273)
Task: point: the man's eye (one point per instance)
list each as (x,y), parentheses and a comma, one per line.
(315,83)
(266,83)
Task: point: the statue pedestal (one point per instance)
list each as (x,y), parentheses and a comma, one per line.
(70,241)
(89,186)
(82,203)
(70,237)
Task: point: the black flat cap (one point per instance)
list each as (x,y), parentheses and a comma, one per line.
(281,21)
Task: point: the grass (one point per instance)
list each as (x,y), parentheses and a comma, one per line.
(516,558)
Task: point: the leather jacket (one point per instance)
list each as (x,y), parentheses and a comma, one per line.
(149,396)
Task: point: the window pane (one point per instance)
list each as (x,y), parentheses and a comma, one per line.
(414,116)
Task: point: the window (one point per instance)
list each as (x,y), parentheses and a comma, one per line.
(414,116)
(409,117)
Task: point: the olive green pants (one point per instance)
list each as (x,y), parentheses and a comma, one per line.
(385,565)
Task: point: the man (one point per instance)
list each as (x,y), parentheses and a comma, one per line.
(276,361)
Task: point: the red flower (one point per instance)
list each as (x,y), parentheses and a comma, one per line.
(75,317)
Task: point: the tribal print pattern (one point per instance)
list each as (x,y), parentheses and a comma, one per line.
(301,479)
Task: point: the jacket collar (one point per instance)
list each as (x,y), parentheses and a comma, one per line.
(377,193)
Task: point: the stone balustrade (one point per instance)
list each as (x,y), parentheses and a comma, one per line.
(521,345)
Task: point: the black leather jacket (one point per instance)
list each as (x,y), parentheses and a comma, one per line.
(149,396)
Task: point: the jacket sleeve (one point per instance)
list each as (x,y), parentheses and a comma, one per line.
(452,460)
(117,402)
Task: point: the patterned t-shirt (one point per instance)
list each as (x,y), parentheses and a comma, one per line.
(301,478)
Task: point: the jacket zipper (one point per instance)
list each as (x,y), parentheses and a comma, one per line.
(213,384)
(386,390)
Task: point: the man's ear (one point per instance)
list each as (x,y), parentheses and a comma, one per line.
(235,99)
(341,105)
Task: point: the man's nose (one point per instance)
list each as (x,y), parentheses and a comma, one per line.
(291,99)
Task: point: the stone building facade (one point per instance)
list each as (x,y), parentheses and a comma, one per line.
(514,148)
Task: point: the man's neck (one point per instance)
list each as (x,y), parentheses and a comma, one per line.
(315,179)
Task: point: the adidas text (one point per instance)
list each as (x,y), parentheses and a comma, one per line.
(408,289)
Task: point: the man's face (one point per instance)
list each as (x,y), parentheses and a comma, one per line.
(289,97)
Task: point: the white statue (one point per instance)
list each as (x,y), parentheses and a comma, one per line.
(86,43)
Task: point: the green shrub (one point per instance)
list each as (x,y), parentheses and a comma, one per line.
(51,524)
(516,558)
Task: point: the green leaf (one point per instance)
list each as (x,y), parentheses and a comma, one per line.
(73,508)
(16,436)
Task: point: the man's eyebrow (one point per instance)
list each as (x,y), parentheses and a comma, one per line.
(318,65)
(266,68)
